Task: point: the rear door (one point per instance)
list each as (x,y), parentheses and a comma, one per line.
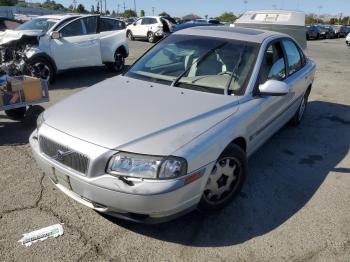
(79,44)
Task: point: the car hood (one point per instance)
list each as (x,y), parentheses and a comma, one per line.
(131,115)
(14,35)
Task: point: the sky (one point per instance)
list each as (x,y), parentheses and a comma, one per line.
(215,8)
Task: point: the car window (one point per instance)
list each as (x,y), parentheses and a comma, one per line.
(75,28)
(89,25)
(293,56)
(107,24)
(139,22)
(43,24)
(152,21)
(273,66)
(199,63)
(145,21)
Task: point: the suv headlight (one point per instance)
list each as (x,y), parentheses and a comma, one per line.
(149,167)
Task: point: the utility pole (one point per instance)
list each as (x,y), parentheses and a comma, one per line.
(153,10)
(124,6)
(135,6)
(319,12)
(118,5)
(75,4)
(106,7)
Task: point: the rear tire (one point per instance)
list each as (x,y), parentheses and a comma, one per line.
(16,114)
(298,117)
(226,179)
(119,63)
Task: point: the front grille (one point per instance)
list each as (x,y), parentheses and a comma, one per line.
(64,155)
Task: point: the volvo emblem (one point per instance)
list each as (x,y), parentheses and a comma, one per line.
(60,155)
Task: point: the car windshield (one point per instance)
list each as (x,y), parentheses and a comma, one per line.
(200,63)
(43,24)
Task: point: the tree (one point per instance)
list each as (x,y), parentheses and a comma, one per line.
(71,7)
(107,12)
(98,7)
(164,14)
(8,2)
(129,13)
(309,20)
(227,17)
(92,11)
(142,13)
(81,9)
(114,14)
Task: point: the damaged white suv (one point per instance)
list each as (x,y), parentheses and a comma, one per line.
(58,42)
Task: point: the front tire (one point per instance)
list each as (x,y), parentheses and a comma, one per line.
(130,36)
(42,68)
(226,179)
(151,37)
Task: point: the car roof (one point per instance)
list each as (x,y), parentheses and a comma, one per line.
(234,33)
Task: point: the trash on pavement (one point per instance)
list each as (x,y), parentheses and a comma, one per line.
(52,231)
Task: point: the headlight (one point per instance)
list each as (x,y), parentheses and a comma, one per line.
(151,167)
(40,120)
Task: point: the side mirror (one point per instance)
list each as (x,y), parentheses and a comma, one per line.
(133,24)
(55,35)
(273,88)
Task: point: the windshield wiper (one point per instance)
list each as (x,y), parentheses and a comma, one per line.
(174,83)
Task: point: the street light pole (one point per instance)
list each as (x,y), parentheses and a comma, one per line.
(135,6)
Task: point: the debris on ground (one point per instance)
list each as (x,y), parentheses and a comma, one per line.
(41,234)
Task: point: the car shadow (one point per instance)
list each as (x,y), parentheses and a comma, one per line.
(82,77)
(284,175)
(13,132)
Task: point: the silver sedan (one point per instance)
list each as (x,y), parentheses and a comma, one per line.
(174,132)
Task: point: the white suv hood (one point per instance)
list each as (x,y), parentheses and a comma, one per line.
(137,116)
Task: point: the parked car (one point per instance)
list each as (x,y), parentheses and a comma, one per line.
(175,132)
(314,32)
(189,25)
(59,42)
(330,32)
(130,20)
(347,40)
(6,23)
(344,31)
(151,28)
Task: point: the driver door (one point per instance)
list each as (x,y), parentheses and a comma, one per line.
(78,45)
(271,108)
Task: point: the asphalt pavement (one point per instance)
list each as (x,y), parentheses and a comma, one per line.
(293,207)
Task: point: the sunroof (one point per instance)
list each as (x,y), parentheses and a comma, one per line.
(238,30)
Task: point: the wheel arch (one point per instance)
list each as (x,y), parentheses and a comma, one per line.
(123,50)
(46,57)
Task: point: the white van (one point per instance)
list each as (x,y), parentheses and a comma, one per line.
(283,21)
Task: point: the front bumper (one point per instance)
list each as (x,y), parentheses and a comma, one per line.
(145,201)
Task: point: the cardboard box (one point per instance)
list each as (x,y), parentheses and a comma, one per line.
(32,89)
